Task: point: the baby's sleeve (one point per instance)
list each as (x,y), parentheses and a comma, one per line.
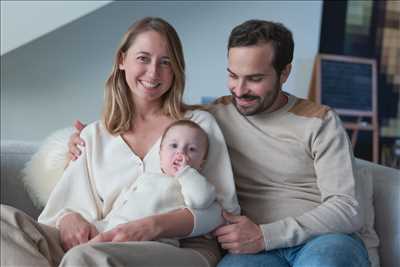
(197,192)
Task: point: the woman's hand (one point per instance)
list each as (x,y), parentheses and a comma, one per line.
(75,230)
(145,229)
(177,223)
(75,140)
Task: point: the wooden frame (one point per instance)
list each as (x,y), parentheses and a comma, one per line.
(372,114)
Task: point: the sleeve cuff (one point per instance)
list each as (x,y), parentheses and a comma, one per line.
(62,215)
(273,235)
(206,220)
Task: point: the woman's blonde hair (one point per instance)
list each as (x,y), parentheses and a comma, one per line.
(119,108)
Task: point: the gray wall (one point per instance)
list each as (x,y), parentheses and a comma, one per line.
(48,83)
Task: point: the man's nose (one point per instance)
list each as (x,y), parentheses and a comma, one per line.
(240,88)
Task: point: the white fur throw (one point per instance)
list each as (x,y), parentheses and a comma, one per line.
(46,166)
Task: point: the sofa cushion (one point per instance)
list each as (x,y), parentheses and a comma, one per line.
(14,154)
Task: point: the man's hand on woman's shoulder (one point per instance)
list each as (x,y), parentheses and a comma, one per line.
(73,150)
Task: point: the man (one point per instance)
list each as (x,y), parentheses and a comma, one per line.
(292,161)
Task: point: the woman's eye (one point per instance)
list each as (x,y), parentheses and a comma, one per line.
(165,62)
(143,59)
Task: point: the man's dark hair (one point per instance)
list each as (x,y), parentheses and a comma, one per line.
(254,32)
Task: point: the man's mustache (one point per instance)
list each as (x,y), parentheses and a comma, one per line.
(246,97)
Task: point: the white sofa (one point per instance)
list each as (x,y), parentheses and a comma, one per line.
(386,196)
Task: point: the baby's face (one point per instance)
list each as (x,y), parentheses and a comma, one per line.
(182,145)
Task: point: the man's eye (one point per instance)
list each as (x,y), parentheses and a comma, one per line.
(232,76)
(255,79)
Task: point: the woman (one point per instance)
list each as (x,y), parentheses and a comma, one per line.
(143,96)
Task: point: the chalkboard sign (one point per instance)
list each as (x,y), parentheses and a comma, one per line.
(347,84)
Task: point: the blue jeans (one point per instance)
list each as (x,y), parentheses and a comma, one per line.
(333,250)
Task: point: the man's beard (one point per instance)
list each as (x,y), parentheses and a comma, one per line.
(262,103)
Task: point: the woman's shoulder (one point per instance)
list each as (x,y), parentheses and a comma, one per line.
(95,128)
(198,115)
(204,118)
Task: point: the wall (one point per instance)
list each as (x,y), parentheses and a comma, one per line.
(48,83)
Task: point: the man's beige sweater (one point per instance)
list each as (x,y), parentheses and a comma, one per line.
(294,170)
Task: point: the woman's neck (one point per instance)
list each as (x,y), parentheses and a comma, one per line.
(147,110)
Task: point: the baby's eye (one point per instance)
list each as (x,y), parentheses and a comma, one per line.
(173,145)
(192,149)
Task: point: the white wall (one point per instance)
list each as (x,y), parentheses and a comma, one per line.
(48,83)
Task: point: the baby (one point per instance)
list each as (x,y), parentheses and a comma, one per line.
(183,151)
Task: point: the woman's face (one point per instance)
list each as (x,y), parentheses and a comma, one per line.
(147,67)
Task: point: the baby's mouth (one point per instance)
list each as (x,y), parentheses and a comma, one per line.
(176,164)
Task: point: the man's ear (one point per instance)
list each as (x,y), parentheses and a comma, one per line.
(121,60)
(285,73)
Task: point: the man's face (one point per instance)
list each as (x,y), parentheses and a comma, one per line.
(253,82)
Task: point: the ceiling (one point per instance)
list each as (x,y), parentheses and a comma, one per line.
(25,21)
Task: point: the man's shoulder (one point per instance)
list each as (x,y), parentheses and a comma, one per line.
(219,104)
(308,109)
(223,100)
(200,115)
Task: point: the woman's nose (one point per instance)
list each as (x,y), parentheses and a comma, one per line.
(153,70)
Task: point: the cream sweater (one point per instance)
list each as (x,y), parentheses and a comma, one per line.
(294,170)
(91,184)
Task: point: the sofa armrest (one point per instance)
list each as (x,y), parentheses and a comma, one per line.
(14,155)
(386,183)
(386,197)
